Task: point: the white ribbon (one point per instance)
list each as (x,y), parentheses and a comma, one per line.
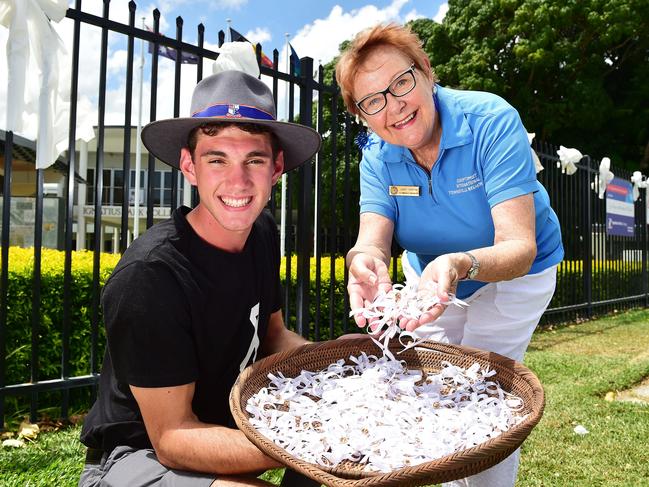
(568,158)
(537,163)
(236,56)
(38,103)
(604,178)
(400,302)
(378,413)
(639,181)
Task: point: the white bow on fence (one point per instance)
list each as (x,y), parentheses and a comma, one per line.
(237,56)
(38,102)
(568,158)
(604,178)
(639,181)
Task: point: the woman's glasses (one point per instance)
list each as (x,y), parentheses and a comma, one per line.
(402,85)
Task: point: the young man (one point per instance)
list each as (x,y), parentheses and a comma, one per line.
(196,299)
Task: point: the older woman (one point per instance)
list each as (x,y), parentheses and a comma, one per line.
(450,174)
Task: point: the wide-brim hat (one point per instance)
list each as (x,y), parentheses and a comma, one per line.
(231,97)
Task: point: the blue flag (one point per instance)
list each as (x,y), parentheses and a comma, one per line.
(295,60)
(171,53)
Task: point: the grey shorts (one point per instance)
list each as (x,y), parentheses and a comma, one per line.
(129,467)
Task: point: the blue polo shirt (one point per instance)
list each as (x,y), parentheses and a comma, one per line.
(484,159)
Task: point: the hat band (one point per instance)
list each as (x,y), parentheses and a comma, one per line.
(234,111)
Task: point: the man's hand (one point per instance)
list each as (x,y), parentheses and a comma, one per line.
(367,277)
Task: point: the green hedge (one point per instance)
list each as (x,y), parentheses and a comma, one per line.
(611,279)
(19,314)
(18,346)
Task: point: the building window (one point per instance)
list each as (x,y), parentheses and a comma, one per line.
(117,187)
(113,188)
(142,193)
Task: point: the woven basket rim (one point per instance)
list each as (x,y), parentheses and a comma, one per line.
(457,465)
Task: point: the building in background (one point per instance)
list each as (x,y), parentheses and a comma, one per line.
(24,191)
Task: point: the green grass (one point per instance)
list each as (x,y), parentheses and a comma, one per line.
(577,365)
(55,458)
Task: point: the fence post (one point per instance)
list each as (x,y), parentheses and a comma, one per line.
(126,152)
(178,63)
(4,272)
(153,103)
(304,207)
(643,234)
(587,236)
(95,319)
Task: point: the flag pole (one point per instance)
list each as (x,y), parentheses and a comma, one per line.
(138,146)
(282,225)
(316,75)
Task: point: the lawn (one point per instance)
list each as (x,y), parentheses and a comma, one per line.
(577,365)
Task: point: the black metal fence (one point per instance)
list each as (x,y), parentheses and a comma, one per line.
(601,273)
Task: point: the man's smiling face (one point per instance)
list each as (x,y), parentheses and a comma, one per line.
(234,172)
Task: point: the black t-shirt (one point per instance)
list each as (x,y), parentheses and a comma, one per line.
(178,310)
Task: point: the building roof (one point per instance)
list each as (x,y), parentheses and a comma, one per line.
(25,150)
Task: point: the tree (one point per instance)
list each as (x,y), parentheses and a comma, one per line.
(576,70)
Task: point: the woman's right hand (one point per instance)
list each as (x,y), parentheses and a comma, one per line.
(367,277)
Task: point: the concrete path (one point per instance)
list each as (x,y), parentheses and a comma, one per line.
(639,394)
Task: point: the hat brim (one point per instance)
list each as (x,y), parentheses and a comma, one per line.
(165,138)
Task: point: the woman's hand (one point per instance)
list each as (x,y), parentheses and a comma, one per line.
(367,277)
(441,277)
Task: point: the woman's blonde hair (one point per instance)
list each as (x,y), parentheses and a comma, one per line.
(398,36)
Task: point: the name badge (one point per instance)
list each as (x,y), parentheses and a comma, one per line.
(404,190)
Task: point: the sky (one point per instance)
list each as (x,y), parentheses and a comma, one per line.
(315,27)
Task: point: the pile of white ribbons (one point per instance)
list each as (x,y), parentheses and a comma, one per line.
(380,414)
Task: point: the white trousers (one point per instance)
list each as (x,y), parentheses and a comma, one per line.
(501,318)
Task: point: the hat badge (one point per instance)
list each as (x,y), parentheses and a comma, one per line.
(233,111)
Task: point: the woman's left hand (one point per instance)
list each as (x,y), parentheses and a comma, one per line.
(441,276)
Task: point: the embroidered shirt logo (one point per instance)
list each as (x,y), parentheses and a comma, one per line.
(466,184)
(233,111)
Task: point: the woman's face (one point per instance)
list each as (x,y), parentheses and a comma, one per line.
(408,120)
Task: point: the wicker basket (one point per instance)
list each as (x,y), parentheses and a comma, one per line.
(512,376)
